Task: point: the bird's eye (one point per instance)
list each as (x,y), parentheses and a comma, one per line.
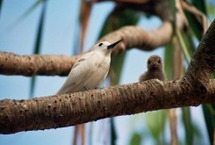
(149,62)
(100,44)
(159,61)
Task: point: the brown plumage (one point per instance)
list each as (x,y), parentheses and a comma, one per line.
(155,69)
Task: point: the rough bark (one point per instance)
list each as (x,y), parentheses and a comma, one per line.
(82,107)
(70,109)
(28,65)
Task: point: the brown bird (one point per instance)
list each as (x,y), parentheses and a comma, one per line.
(155,69)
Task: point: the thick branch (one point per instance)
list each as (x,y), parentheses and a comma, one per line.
(70,109)
(28,65)
(82,107)
(202,64)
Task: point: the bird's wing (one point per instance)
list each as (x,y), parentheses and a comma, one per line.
(80,71)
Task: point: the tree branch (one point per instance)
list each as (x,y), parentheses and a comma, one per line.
(136,37)
(71,109)
(152,7)
(28,65)
(133,37)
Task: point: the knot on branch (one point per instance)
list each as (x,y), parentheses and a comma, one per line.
(196,86)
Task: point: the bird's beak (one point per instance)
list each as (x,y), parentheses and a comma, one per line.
(113,44)
(155,64)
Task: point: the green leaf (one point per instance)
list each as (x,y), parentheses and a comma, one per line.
(29,10)
(168,60)
(37,46)
(184,46)
(173,11)
(194,24)
(188,39)
(208,111)
(1,1)
(135,139)
(211,9)
(117,63)
(188,125)
(40,29)
(118,18)
(90,140)
(32,86)
(113,132)
(156,123)
(200,4)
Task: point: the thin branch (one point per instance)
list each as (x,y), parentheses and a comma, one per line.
(70,109)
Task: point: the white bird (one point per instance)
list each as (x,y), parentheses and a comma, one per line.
(90,69)
(87,73)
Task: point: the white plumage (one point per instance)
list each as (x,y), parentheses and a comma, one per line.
(90,69)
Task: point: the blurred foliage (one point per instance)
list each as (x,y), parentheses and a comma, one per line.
(184,45)
(195,25)
(211,9)
(135,139)
(200,5)
(209,115)
(35,5)
(0,7)
(173,10)
(155,121)
(188,125)
(168,60)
